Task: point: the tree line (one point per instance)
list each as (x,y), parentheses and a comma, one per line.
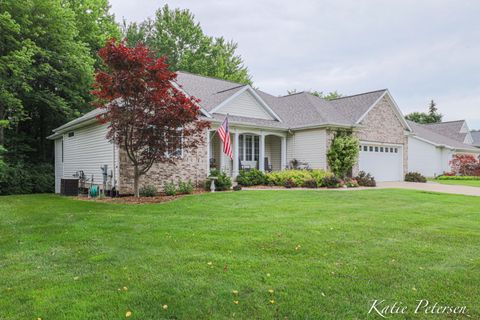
(48,59)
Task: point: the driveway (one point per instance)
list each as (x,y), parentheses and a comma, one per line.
(432,187)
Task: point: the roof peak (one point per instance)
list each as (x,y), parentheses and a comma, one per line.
(436,123)
(209,77)
(359,94)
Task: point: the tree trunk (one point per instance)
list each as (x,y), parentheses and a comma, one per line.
(136,179)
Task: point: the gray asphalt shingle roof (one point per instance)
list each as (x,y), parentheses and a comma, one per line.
(476,138)
(450,129)
(296,110)
(425,132)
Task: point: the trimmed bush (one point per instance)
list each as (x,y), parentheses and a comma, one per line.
(148,191)
(310,183)
(279,178)
(365,179)
(222,183)
(170,189)
(252,177)
(458,177)
(343,153)
(332,182)
(415,177)
(351,183)
(237,187)
(185,187)
(290,183)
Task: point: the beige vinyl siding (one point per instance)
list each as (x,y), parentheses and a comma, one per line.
(290,151)
(58,164)
(310,146)
(87,150)
(273,145)
(245,105)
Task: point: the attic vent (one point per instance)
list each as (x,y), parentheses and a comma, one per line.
(71,134)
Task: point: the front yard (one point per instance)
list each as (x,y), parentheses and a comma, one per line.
(325,255)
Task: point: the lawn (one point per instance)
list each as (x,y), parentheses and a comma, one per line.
(325,255)
(471,183)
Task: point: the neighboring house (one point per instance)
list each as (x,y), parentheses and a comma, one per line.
(432,146)
(476,138)
(267,133)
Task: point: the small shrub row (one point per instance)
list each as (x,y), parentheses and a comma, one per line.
(169,188)
(446,177)
(297,178)
(415,177)
(253,177)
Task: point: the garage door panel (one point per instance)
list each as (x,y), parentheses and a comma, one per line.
(384,162)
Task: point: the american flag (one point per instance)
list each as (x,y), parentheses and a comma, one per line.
(224,134)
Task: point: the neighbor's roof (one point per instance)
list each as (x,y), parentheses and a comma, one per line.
(476,138)
(425,132)
(450,129)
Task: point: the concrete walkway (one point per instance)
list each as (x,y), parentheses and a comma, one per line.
(432,187)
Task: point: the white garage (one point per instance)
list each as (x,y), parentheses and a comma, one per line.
(384,162)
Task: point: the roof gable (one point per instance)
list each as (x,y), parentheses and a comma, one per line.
(246,103)
(457,130)
(394,107)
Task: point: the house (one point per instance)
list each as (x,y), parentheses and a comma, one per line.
(432,146)
(267,133)
(476,138)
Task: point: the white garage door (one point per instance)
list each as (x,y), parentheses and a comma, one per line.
(384,162)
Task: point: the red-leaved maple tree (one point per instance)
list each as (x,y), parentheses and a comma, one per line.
(148,115)
(465,165)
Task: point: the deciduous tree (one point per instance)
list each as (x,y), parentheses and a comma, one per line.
(432,116)
(176,34)
(149,117)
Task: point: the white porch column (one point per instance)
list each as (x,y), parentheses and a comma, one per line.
(235,154)
(222,156)
(261,155)
(209,152)
(283,161)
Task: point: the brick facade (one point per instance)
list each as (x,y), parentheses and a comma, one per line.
(382,125)
(192,166)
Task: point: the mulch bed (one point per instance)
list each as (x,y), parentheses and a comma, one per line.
(135,200)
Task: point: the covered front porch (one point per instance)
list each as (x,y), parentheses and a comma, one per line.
(252,149)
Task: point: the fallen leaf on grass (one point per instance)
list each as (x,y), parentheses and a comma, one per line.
(165,307)
(128,314)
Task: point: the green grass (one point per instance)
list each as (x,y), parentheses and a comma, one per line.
(470,183)
(326,255)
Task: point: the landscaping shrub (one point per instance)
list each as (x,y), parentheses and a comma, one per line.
(237,187)
(290,183)
(310,183)
(343,153)
(185,187)
(170,189)
(148,191)
(444,177)
(365,179)
(22,178)
(222,183)
(465,165)
(415,177)
(279,178)
(252,177)
(332,182)
(351,183)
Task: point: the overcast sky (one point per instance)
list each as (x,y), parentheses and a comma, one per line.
(420,50)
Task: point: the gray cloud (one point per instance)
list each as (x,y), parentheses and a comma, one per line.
(420,50)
